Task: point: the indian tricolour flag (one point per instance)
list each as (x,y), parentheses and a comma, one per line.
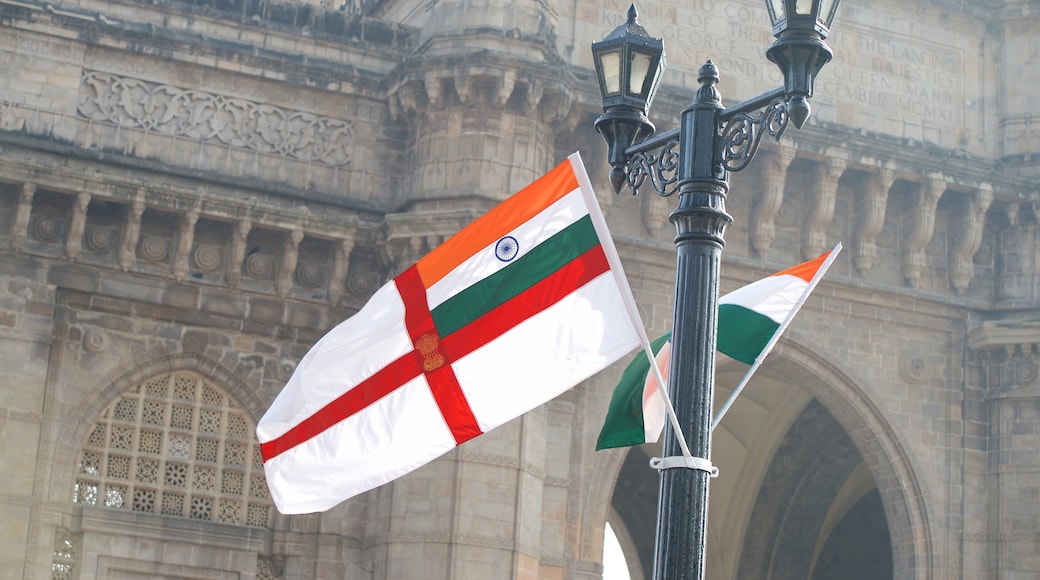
(751,320)
(521,305)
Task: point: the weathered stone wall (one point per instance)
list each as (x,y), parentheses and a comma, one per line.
(207,187)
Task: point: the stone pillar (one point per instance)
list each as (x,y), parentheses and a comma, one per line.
(1010,354)
(127,251)
(185,239)
(479,129)
(20,229)
(239,235)
(481,126)
(1019,125)
(340,265)
(74,243)
(290,255)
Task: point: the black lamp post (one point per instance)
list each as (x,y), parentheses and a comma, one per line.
(694,160)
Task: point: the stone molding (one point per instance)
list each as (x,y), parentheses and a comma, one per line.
(432,84)
(20,415)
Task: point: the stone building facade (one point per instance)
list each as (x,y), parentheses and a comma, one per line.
(193,191)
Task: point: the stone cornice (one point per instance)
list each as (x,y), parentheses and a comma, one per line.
(157,527)
(28,158)
(913,160)
(1004,335)
(255,49)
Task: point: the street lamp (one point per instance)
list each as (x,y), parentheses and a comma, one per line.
(694,160)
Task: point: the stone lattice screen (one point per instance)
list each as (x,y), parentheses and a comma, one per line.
(175,446)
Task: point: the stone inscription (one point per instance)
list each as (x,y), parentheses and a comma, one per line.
(887,72)
(872,68)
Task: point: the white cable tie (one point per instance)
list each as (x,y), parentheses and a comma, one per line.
(699,463)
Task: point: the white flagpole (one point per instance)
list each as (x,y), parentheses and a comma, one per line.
(776,335)
(600,224)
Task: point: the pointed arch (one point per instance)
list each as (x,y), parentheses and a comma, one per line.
(880,444)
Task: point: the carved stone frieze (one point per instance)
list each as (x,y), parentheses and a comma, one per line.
(201,116)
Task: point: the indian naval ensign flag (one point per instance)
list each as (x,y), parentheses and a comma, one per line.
(521,305)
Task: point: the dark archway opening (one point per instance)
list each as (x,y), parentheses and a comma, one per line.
(859,547)
(811,481)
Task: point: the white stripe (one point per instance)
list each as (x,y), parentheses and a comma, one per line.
(774,296)
(547,354)
(351,352)
(549,222)
(654,408)
(389,439)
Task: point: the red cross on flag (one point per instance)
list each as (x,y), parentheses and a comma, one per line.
(521,305)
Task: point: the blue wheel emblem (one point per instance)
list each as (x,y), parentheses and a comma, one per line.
(507,248)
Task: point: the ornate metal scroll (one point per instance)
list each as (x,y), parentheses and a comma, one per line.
(660,167)
(743,132)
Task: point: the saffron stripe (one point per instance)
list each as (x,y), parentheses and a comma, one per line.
(380,384)
(443,384)
(503,218)
(542,295)
(805,270)
(500,287)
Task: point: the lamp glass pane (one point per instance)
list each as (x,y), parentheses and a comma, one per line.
(610,64)
(827,11)
(803,7)
(640,67)
(776,10)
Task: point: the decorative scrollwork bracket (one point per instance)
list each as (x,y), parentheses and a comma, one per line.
(742,133)
(741,127)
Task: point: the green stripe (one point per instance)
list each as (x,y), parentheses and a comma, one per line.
(743,333)
(624,423)
(511,281)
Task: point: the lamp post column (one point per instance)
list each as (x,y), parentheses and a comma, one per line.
(700,223)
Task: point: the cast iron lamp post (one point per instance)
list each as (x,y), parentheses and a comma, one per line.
(695,160)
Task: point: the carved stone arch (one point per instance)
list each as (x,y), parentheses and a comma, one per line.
(878,442)
(872,435)
(99,396)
